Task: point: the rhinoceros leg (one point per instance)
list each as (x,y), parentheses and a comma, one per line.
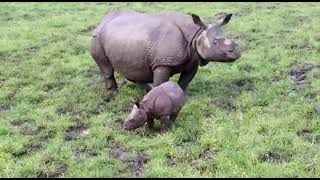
(150,124)
(173,118)
(161,74)
(164,123)
(186,77)
(145,86)
(98,54)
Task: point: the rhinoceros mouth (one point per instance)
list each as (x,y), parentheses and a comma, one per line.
(234,55)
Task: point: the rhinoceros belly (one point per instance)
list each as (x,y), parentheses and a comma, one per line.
(125,48)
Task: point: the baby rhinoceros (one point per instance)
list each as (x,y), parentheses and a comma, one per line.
(163,102)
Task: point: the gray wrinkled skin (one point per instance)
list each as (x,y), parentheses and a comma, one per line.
(150,48)
(163,102)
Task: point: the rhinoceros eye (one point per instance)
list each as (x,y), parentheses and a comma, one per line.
(215,41)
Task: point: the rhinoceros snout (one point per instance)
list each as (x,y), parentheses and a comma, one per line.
(237,52)
(232,54)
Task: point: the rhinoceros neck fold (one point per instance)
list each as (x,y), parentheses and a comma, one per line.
(192,47)
(148,111)
(192,40)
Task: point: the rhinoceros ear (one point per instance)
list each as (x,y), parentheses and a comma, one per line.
(196,19)
(224,20)
(137,102)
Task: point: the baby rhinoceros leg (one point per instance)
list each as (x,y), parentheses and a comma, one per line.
(150,124)
(164,123)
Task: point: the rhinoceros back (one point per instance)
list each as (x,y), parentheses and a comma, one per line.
(176,94)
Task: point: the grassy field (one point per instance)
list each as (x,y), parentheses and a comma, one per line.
(257,117)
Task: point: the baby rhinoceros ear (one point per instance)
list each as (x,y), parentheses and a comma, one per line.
(137,102)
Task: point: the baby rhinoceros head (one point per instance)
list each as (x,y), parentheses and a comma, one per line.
(137,118)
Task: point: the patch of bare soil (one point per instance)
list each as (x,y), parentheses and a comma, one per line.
(309,136)
(52,87)
(241,85)
(59,172)
(299,75)
(120,153)
(84,152)
(6,107)
(136,163)
(246,68)
(27,149)
(4,56)
(27,126)
(171,161)
(69,110)
(304,45)
(74,132)
(273,157)
(139,164)
(208,154)
(225,104)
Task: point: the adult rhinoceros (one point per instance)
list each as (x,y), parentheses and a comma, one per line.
(150,48)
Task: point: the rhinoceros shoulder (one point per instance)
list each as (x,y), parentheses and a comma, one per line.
(167,46)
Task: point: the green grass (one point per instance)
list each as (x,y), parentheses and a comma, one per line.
(238,118)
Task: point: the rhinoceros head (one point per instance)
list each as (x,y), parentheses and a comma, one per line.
(137,117)
(211,43)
